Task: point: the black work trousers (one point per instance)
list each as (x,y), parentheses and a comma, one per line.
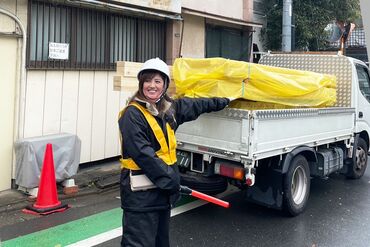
(146,229)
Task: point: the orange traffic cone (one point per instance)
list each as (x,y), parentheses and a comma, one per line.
(47,197)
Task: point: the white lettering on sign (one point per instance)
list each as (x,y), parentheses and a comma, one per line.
(58,50)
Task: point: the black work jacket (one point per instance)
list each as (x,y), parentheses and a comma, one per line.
(140,144)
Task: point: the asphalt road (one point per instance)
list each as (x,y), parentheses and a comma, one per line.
(337,214)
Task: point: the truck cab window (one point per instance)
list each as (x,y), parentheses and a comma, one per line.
(364,81)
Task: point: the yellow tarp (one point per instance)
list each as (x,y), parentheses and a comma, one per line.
(221,77)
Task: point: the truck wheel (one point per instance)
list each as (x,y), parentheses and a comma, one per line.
(208,185)
(358,164)
(296,186)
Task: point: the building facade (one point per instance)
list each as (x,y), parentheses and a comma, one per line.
(41,94)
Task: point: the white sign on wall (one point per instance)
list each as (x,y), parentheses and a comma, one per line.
(58,50)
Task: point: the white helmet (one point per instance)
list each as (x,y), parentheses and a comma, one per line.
(156,64)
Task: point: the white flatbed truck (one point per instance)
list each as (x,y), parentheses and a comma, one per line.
(272,154)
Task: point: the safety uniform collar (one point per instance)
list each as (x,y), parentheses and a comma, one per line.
(151,108)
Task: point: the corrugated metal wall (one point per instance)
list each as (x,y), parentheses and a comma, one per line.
(77,102)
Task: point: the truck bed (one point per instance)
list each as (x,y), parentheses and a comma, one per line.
(259,134)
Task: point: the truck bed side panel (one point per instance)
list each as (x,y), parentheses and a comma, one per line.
(226,130)
(277,132)
(265,133)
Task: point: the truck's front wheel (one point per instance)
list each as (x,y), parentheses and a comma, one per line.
(296,186)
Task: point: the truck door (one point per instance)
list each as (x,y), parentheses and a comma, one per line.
(363,102)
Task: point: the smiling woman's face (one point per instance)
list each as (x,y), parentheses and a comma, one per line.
(153,88)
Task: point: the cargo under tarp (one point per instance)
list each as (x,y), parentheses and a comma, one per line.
(278,87)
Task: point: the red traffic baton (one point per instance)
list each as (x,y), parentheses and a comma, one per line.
(187,191)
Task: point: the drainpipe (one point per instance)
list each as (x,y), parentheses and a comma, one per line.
(287,26)
(20,91)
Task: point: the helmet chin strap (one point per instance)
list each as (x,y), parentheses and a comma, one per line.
(164,91)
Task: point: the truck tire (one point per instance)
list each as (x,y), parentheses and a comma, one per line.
(358,164)
(296,186)
(208,185)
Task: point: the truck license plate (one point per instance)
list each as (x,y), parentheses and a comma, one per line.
(183,158)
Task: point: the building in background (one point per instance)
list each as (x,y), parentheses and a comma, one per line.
(259,16)
(218,29)
(42,95)
(355,45)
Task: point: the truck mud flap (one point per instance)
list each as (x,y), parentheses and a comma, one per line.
(208,185)
(268,189)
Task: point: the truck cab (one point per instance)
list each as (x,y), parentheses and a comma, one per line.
(361,98)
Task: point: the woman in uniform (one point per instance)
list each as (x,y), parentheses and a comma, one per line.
(150,180)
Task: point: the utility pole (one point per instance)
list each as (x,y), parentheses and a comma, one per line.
(365,13)
(287,26)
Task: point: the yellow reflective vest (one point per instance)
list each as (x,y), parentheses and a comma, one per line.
(167,152)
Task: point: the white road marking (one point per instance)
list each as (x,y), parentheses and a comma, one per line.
(115,233)
(98,239)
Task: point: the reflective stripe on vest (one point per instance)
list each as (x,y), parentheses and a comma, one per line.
(165,153)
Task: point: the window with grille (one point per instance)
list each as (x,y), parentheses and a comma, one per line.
(258,7)
(227,43)
(96,39)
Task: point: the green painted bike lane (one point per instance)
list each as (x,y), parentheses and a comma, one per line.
(76,230)
(70,232)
